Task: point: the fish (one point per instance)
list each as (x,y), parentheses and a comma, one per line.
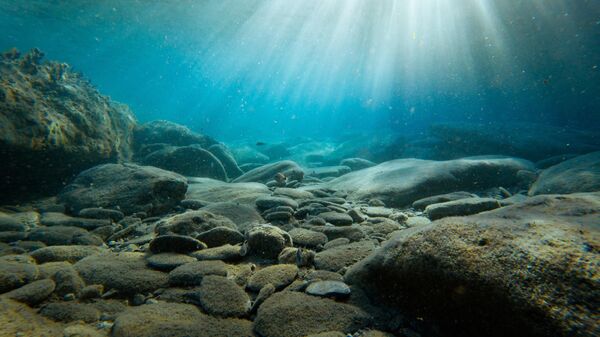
(261,143)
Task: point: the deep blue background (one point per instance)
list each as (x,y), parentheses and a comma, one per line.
(240,69)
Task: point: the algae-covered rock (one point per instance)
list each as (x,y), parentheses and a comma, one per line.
(54,124)
(176,320)
(192,223)
(293,314)
(128,187)
(529,269)
(125,272)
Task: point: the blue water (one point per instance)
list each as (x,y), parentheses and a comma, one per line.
(277,69)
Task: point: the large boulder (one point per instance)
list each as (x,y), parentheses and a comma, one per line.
(217,191)
(403,181)
(187,160)
(54,124)
(129,187)
(530,269)
(265,173)
(580,174)
(166,132)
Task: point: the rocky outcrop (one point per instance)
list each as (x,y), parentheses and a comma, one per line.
(128,187)
(530,269)
(165,132)
(403,181)
(580,174)
(54,124)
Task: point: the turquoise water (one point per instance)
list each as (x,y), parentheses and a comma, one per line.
(272,70)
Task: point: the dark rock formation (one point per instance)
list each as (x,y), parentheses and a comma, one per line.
(54,124)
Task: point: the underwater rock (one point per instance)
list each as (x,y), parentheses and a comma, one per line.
(580,174)
(218,191)
(352,233)
(32,293)
(64,235)
(223,253)
(243,216)
(128,187)
(292,193)
(279,275)
(15,273)
(267,202)
(192,223)
(327,171)
(168,261)
(336,258)
(401,182)
(190,161)
(71,312)
(267,241)
(64,253)
(54,124)
(528,269)
(307,238)
(459,207)
(60,219)
(176,320)
(226,158)
(165,132)
(294,314)
(334,289)
(356,164)
(336,219)
(220,236)
(220,296)
(175,244)
(101,213)
(436,199)
(191,274)
(124,272)
(265,173)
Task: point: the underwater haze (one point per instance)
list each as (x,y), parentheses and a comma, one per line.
(278,69)
(287,168)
